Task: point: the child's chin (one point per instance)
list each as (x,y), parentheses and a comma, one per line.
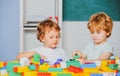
(53,47)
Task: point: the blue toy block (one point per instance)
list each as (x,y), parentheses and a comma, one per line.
(96,74)
(92,65)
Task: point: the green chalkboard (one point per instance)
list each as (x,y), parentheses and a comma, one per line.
(81,10)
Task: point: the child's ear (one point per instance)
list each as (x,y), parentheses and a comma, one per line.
(41,38)
(108,34)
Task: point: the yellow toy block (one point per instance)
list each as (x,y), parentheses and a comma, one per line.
(20,69)
(77,74)
(91,70)
(44,67)
(2,64)
(105,69)
(30,73)
(53,73)
(4,75)
(86,74)
(104,63)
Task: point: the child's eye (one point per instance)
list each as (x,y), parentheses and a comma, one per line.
(92,32)
(57,36)
(98,32)
(51,37)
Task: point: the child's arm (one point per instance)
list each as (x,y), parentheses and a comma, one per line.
(104,56)
(26,54)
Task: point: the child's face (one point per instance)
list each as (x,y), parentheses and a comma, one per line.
(51,38)
(99,37)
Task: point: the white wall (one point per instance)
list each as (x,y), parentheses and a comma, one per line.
(76,36)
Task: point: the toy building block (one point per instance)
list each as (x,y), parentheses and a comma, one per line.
(86,74)
(91,70)
(11,64)
(37,66)
(24,61)
(73,63)
(64,74)
(105,69)
(118,74)
(44,67)
(56,65)
(20,69)
(3,72)
(30,73)
(104,63)
(109,74)
(41,61)
(92,65)
(113,66)
(96,74)
(78,74)
(14,74)
(113,61)
(2,64)
(32,67)
(75,69)
(55,69)
(36,59)
(44,74)
(76,56)
(58,61)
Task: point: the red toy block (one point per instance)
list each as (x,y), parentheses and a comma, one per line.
(75,69)
(44,74)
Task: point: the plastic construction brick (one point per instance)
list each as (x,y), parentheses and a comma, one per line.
(30,73)
(55,69)
(76,56)
(93,65)
(64,74)
(75,69)
(44,74)
(96,74)
(32,67)
(113,66)
(2,64)
(118,74)
(20,69)
(36,59)
(73,63)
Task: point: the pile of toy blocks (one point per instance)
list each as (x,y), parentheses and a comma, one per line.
(72,67)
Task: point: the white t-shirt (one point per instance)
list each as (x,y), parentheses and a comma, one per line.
(51,54)
(94,52)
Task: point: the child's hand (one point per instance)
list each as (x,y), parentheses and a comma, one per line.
(43,57)
(76,52)
(81,60)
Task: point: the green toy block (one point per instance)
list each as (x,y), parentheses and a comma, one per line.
(36,58)
(113,66)
(55,69)
(14,74)
(32,67)
(64,74)
(76,56)
(73,63)
(11,64)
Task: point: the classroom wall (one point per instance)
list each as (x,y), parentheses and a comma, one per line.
(9,29)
